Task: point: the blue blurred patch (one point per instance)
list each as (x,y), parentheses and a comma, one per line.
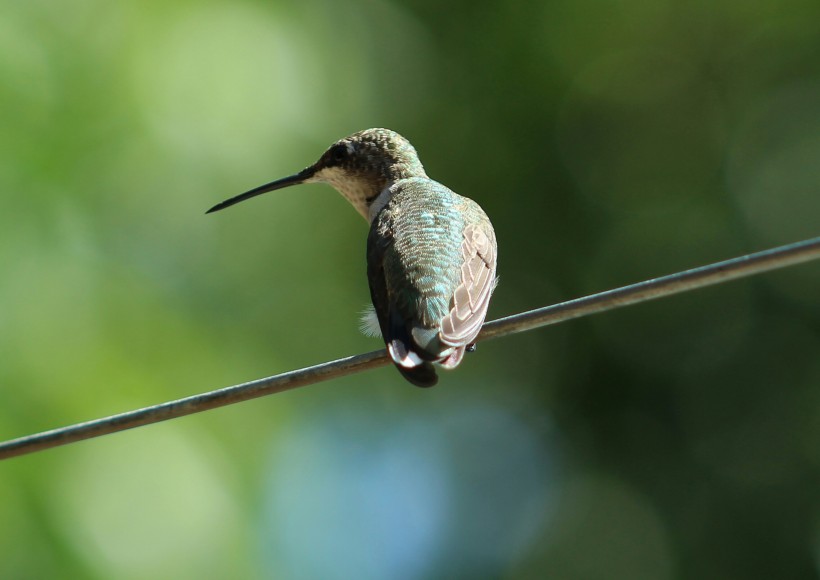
(356,495)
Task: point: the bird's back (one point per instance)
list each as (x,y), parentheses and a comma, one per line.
(417,254)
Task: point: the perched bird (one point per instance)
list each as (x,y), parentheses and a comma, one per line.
(431,253)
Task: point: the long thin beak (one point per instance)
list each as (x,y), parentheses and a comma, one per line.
(300,177)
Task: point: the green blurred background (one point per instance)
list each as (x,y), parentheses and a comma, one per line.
(610,142)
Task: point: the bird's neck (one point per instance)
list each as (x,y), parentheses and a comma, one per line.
(358,191)
(369,195)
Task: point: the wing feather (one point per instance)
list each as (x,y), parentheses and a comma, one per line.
(472,296)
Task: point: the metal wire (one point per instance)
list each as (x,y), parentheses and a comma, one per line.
(719,272)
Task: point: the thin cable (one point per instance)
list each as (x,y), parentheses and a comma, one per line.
(719,272)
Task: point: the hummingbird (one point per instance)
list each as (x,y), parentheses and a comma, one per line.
(431,253)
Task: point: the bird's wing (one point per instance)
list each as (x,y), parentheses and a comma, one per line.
(376,280)
(472,296)
(394,329)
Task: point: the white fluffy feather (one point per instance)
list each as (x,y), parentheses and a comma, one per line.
(369,322)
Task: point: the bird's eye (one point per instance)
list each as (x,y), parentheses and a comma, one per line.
(338,153)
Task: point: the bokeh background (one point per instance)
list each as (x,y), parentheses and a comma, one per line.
(610,142)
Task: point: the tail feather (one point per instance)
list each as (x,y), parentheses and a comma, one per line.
(414,362)
(403,356)
(454,359)
(423,375)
